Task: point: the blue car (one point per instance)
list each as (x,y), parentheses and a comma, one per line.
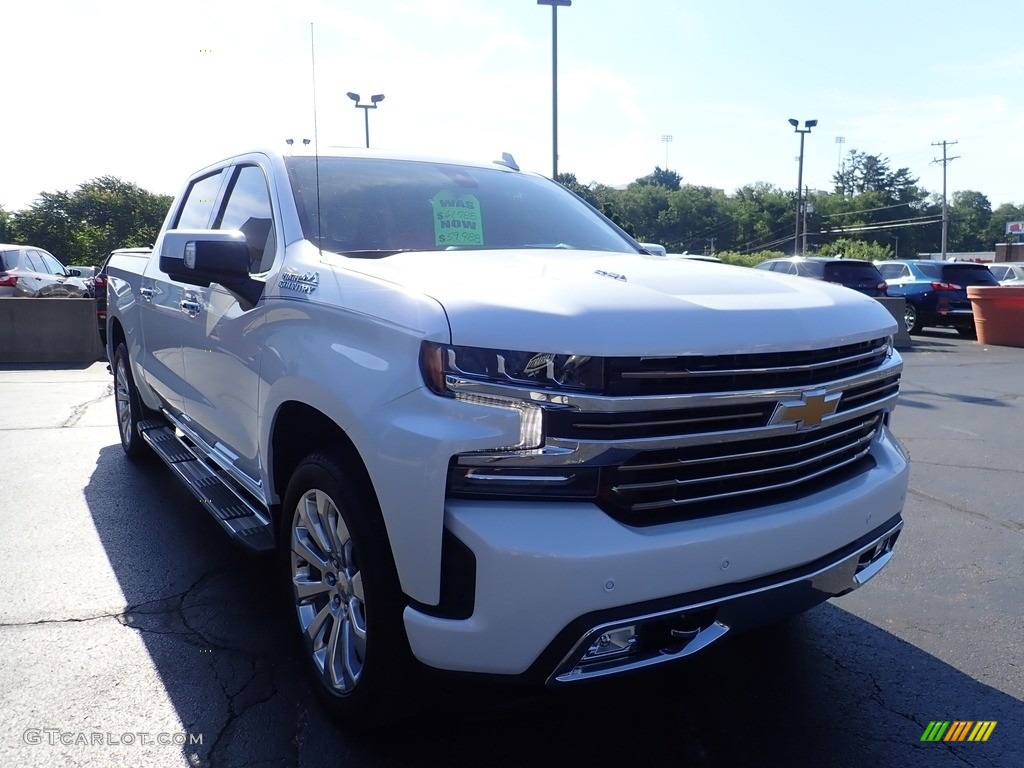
(936,291)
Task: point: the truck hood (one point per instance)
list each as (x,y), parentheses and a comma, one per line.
(616,304)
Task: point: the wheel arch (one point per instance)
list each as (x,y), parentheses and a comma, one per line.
(298,430)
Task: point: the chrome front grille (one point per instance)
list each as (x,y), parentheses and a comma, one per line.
(695,481)
(678,438)
(638,376)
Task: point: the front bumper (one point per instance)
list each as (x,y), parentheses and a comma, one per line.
(550,578)
(681,630)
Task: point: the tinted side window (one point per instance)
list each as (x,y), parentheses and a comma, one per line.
(202,194)
(930,271)
(809,269)
(893,271)
(247,209)
(999,273)
(51,264)
(34,262)
(8,259)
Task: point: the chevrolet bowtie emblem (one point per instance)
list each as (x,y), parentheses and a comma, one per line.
(808,411)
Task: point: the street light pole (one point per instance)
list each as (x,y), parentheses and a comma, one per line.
(376,99)
(554,80)
(808,124)
(667,138)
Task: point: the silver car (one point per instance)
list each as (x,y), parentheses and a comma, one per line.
(32,272)
(1008,272)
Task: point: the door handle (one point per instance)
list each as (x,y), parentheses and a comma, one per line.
(146,293)
(191,307)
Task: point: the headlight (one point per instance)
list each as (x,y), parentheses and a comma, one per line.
(545,370)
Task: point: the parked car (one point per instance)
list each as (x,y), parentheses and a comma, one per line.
(1008,272)
(86,273)
(34,273)
(98,287)
(936,291)
(861,276)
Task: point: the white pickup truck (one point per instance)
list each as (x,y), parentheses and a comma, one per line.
(486,432)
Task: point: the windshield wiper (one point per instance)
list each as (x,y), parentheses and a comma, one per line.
(377,253)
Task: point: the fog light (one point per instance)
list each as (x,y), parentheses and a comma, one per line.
(614,642)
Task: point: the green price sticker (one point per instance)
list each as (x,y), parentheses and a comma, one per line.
(457,219)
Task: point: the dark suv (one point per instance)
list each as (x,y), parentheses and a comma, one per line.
(936,291)
(862,276)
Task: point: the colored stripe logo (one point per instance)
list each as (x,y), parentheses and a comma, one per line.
(958,730)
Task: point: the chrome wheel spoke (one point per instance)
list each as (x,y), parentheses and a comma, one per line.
(335,646)
(314,629)
(357,587)
(354,648)
(306,589)
(309,518)
(303,548)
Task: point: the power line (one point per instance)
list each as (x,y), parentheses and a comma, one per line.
(866,210)
(875,227)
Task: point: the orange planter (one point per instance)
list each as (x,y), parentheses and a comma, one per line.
(998,314)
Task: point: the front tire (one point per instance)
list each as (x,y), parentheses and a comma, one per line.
(343,590)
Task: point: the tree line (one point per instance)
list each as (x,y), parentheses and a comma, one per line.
(872,212)
(83,226)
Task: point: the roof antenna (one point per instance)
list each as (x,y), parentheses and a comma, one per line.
(316,143)
(508,161)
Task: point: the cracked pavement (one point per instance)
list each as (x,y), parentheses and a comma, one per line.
(126,611)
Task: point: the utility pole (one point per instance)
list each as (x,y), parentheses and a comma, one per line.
(840,140)
(808,124)
(554,80)
(807,204)
(945,208)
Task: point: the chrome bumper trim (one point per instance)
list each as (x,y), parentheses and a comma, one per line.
(741,610)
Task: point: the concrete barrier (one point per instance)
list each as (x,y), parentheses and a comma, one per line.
(896,305)
(53,330)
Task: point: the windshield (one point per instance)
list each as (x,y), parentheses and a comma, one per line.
(372,208)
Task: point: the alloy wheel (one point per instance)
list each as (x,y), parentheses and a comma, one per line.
(327,587)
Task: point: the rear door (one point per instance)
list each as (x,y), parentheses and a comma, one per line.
(36,279)
(164,304)
(58,276)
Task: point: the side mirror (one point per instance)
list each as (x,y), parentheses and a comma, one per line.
(204,256)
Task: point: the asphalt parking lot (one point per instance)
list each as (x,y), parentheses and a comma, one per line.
(133,633)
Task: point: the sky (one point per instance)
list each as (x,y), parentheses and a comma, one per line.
(152,91)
